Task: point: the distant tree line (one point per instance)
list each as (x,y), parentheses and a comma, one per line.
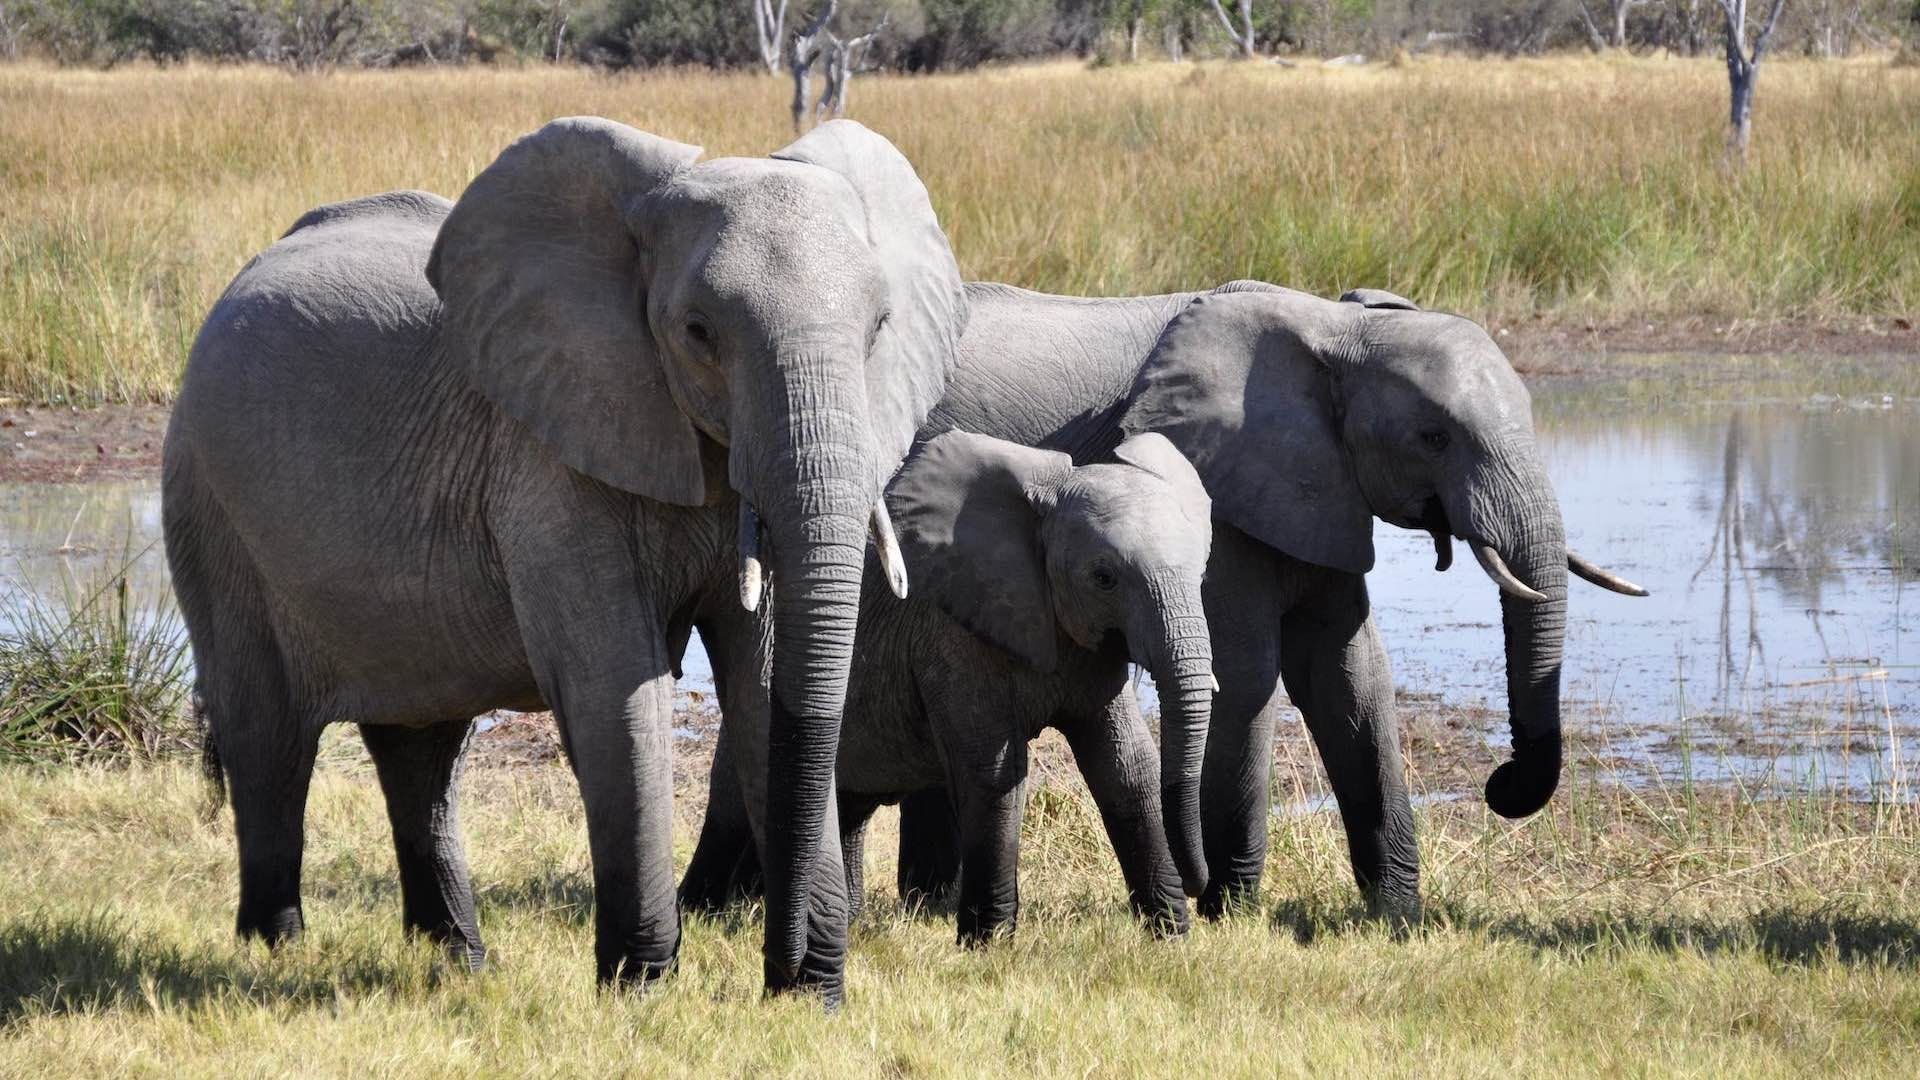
(915,35)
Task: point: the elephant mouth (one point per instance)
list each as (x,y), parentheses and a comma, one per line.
(1433,518)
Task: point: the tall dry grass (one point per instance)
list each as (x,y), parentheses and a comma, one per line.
(1623,932)
(1568,187)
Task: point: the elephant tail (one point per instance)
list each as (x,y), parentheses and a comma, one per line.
(211,770)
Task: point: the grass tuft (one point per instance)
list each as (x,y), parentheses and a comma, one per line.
(96,677)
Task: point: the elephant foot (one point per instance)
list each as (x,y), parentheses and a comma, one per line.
(276,927)
(826,981)
(1400,910)
(636,974)
(467,956)
(1229,896)
(1165,921)
(977,932)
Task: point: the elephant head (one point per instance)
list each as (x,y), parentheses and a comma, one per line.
(675,328)
(1307,418)
(1023,548)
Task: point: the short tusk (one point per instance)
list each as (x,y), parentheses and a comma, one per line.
(1496,569)
(1214,681)
(1605,579)
(889,547)
(752,577)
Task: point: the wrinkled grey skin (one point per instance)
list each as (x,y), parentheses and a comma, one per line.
(1033,583)
(1306,418)
(432,459)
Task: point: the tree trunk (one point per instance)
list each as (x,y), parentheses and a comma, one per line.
(1133,40)
(1740,74)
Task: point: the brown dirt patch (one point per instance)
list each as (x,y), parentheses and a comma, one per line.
(67,444)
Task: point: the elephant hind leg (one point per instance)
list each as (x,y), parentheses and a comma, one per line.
(258,739)
(419,770)
(266,750)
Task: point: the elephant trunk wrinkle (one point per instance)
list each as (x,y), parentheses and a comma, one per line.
(1535,632)
(819,540)
(1182,651)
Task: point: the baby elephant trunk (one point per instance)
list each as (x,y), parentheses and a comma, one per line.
(1180,656)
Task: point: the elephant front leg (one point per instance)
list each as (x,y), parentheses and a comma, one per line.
(419,770)
(618,736)
(1338,675)
(1122,769)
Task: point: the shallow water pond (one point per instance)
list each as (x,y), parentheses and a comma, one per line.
(1780,539)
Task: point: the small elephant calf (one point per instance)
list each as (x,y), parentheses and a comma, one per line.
(1033,582)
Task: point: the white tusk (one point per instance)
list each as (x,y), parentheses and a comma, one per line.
(1496,569)
(1215,680)
(1603,578)
(752,578)
(889,547)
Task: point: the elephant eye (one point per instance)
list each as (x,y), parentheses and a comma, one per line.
(697,330)
(1103,578)
(1435,440)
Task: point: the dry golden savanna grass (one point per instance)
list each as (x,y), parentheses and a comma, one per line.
(1573,187)
(1635,932)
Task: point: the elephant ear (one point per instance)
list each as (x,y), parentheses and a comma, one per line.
(913,353)
(1237,382)
(538,272)
(1154,453)
(1378,298)
(964,506)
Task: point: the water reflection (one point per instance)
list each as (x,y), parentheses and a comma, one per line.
(1778,540)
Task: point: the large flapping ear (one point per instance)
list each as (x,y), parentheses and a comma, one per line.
(1378,298)
(539,273)
(1239,383)
(1154,453)
(913,353)
(964,505)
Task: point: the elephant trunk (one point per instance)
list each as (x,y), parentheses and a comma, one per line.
(814,490)
(1180,657)
(1527,541)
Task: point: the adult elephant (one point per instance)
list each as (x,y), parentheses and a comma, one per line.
(431,459)
(1306,418)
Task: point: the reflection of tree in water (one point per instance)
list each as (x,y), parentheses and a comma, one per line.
(1804,501)
(1730,544)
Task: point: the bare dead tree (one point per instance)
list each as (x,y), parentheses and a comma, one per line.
(1243,37)
(842,61)
(809,44)
(11,26)
(838,60)
(1743,68)
(322,32)
(1617,12)
(770,22)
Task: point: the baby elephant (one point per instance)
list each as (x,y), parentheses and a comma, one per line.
(1032,584)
